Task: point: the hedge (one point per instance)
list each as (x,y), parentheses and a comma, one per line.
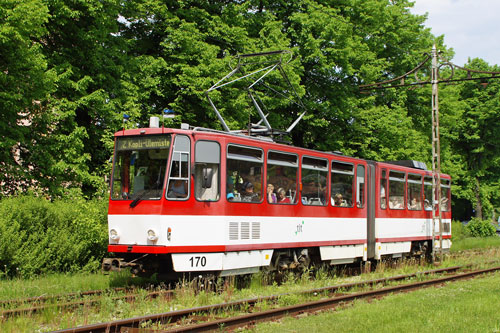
(39,236)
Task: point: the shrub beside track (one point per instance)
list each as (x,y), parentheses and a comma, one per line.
(39,236)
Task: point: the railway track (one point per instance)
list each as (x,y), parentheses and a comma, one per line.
(172,320)
(49,298)
(17,307)
(69,301)
(31,305)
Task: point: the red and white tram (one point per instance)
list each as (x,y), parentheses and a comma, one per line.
(196,200)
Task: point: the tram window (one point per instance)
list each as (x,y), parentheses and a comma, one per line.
(428,193)
(414,192)
(383,189)
(206,171)
(178,181)
(396,190)
(244,174)
(281,178)
(342,184)
(360,186)
(140,167)
(314,176)
(445,195)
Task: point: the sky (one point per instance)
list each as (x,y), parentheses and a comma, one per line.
(470,27)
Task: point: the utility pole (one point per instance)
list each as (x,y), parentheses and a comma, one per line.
(436,158)
(436,63)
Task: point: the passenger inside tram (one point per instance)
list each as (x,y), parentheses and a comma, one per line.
(271,196)
(444,204)
(177,189)
(338,200)
(177,183)
(230,195)
(383,201)
(282,198)
(414,204)
(427,205)
(396,202)
(247,194)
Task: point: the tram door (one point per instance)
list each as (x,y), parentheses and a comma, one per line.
(371,202)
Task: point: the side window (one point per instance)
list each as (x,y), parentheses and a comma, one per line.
(244,174)
(207,171)
(445,195)
(414,192)
(383,189)
(281,178)
(360,186)
(178,180)
(397,190)
(314,176)
(428,193)
(342,184)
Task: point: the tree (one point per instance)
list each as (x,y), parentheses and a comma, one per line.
(336,46)
(182,49)
(65,148)
(73,68)
(25,83)
(476,137)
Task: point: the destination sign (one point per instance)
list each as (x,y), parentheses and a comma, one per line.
(143,142)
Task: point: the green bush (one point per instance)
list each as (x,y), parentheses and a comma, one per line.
(480,228)
(39,236)
(459,231)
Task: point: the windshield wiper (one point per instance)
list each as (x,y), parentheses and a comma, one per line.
(136,200)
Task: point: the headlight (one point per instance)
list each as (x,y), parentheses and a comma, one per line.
(113,235)
(152,235)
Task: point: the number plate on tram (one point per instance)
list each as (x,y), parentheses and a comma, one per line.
(186,262)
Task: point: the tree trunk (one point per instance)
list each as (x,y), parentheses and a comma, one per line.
(479,205)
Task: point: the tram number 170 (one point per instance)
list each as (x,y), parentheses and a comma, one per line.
(198,261)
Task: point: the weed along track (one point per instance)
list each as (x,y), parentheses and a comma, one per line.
(56,298)
(27,306)
(249,311)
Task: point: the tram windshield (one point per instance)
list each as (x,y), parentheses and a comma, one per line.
(139,167)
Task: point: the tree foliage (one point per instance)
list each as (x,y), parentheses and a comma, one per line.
(71,69)
(25,81)
(479,132)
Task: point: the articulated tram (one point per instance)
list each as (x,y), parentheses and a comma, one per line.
(204,201)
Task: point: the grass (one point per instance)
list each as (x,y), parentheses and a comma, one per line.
(467,306)
(54,284)
(462,239)
(186,297)
(475,243)
(60,284)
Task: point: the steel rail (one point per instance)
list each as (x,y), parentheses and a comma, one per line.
(250,319)
(173,316)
